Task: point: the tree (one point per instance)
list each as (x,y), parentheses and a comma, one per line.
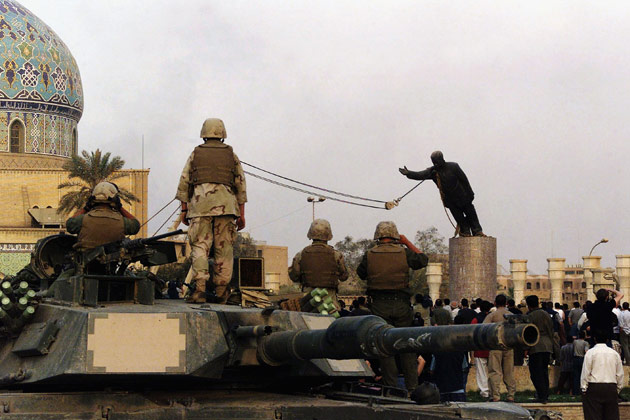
(430,241)
(353,251)
(86,171)
(244,246)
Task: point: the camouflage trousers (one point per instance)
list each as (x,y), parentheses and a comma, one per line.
(205,232)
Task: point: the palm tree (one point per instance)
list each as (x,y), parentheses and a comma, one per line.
(90,169)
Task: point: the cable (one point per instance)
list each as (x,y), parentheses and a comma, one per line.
(407,193)
(158,212)
(166,221)
(313,186)
(310,192)
(280,218)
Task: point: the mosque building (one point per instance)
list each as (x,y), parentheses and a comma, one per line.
(41,103)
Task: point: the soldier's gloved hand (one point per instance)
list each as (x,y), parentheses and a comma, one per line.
(403,170)
(240,221)
(183,215)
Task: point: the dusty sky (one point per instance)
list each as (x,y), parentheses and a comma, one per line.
(530,98)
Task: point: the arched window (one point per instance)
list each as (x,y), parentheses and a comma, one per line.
(75,141)
(583,285)
(537,285)
(16,137)
(529,286)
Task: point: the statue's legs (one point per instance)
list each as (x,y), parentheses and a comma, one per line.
(466,218)
(460,218)
(472,219)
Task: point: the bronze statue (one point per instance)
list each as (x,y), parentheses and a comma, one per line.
(455,190)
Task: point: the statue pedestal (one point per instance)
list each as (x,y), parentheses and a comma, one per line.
(472,266)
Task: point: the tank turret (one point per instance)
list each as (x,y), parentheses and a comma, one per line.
(102,331)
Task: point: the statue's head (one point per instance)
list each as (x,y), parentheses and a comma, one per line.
(437,158)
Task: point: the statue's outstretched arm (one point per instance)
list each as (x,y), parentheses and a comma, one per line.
(420,175)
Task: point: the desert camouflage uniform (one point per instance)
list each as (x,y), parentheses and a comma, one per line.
(212,210)
(296,275)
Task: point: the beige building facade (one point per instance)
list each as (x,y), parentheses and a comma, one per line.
(276,265)
(28,213)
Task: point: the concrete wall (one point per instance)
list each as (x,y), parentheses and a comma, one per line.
(276,265)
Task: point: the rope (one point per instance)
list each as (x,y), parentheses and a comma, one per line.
(313,186)
(166,221)
(313,193)
(407,193)
(280,218)
(439,184)
(158,212)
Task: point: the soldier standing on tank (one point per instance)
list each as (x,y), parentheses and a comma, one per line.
(455,190)
(386,269)
(102,220)
(213,194)
(319,265)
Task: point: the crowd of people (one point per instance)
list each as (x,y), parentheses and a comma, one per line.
(588,343)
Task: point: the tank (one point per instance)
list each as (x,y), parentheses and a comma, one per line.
(98,345)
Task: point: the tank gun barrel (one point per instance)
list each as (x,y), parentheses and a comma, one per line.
(371,337)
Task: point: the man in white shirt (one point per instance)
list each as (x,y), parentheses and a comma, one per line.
(624,331)
(617,311)
(454,309)
(601,381)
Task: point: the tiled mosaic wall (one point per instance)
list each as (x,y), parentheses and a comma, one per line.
(46,134)
(12,262)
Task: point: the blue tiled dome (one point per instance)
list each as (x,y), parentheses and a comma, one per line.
(41,97)
(37,70)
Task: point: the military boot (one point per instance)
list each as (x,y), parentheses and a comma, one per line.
(197,297)
(199,294)
(223,293)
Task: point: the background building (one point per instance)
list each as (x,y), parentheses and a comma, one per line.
(573,287)
(41,103)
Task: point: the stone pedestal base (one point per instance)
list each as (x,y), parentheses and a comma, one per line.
(473,268)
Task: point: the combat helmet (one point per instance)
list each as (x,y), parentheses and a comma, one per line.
(320,229)
(213,128)
(104,192)
(386,230)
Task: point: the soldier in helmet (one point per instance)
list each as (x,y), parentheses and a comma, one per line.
(386,269)
(102,220)
(455,191)
(213,195)
(319,265)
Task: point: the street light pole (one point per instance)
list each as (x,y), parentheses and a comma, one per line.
(315,200)
(603,241)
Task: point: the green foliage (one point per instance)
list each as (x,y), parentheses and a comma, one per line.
(353,251)
(430,241)
(244,246)
(86,171)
